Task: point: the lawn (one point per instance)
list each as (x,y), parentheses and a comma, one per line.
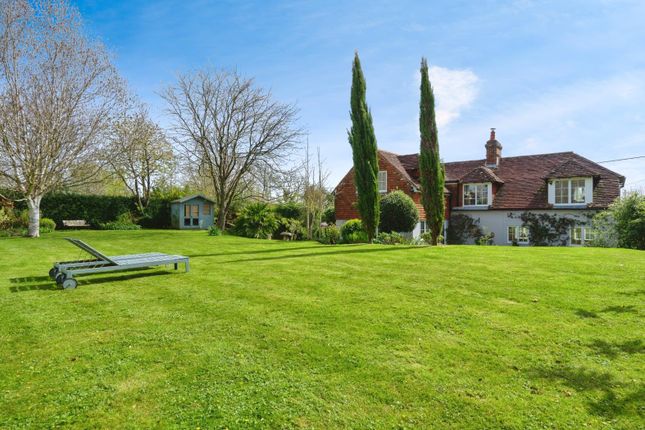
(267,334)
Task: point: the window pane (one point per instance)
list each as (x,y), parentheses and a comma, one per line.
(590,234)
(186,211)
(562,192)
(511,234)
(206,209)
(524,235)
(195,211)
(577,191)
(382,181)
(469,195)
(576,236)
(482,194)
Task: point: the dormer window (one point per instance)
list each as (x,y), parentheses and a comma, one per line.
(571,191)
(382,181)
(477,194)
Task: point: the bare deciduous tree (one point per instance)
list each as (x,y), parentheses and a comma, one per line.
(139,155)
(231,129)
(57,89)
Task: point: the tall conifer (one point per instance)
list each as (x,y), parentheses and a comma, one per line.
(430,168)
(364,153)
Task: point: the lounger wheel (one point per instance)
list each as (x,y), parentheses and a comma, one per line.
(60,278)
(53,272)
(70,284)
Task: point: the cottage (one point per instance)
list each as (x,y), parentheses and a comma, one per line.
(192,212)
(497,192)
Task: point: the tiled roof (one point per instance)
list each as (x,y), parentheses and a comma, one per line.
(572,168)
(523,179)
(406,172)
(481,174)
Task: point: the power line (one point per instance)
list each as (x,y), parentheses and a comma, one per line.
(622,159)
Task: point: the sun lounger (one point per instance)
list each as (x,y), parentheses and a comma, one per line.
(65,271)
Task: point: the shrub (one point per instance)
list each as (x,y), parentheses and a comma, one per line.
(293,226)
(486,239)
(214,231)
(329,215)
(393,238)
(47,225)
(329,235)
(6,218)
(352,226)
(398,213)
(123,222)
(355,237)
(427,237)
(256,220)
(463,228)
(290,210)
(623,223)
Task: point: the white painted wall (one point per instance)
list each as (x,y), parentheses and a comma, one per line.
(497,221)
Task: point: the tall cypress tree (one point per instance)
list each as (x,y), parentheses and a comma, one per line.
(430,168)
(364,153)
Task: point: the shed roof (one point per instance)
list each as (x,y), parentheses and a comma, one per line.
(194,196)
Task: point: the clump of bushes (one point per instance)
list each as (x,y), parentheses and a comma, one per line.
(353,232)
(622,224)
(214,231)
(462,229)
(329,235)
(398,213)
(393,238)
(47,225)
(124,221)
(256,220)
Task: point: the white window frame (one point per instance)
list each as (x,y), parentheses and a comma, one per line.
(585,232)
(423,226)
(382,180)
(487,193)
(587,191)
(517,230)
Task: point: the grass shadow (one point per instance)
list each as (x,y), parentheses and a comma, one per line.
(264,251)
(586,314)
(631,309)
(51,285)
(611,404)
(612,350)
(361,250)
(28,279)
(632,293)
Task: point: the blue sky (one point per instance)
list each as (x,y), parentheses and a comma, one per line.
(549,75)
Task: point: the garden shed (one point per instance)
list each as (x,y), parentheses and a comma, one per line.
(192,212)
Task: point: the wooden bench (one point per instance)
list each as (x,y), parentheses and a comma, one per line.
(75,223)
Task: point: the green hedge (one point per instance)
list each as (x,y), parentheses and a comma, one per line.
(97,209)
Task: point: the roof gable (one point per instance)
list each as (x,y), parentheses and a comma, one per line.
(194,196)
(571,168)
(481,174)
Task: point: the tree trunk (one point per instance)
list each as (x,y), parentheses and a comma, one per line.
(33,203)
(221,216)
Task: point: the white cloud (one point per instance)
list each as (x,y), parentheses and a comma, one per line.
(454,89)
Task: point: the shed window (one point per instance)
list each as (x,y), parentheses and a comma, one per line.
(191,215)
(206,209)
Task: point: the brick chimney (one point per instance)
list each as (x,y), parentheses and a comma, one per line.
(493,151)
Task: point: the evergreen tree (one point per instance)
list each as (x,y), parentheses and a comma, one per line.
(430,168)
(364,153)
